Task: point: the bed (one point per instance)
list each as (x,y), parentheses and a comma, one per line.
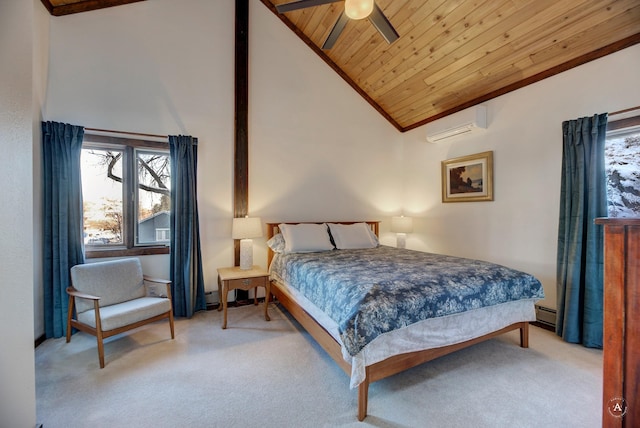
(366,303)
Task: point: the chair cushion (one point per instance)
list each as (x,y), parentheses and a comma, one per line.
(126,313)
(114,281)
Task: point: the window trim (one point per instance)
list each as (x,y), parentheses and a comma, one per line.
(620,124)
(98,253)
(129,247)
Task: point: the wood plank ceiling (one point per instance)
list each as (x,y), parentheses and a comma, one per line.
(453,54)
(68,7)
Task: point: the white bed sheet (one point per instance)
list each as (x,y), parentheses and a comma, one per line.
(427,334)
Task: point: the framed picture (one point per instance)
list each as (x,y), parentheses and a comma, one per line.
(468,178)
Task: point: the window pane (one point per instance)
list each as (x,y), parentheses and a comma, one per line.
(622,159)
(102,196)
(153,196)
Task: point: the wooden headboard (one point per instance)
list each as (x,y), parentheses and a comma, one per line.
(272,230)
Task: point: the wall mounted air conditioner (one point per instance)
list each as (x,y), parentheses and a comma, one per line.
(462,122)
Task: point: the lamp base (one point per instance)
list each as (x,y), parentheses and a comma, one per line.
(246,254)
(401,240)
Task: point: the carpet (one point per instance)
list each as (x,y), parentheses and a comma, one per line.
(273,374)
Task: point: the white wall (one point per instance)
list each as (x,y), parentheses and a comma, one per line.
(519,228)
(317,149)
(40,64)
(17,375)
(160,67)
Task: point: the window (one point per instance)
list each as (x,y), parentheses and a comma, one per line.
(163,234)
(622,164)
(126,190)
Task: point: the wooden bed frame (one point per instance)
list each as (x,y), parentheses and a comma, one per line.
(382,369)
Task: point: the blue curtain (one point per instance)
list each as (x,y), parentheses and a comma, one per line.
(62,241)
(187,287)
(583,198)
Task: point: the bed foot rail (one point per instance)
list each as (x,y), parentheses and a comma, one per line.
(363,396)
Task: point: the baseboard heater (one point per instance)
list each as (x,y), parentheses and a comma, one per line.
(213,299)
(546,316)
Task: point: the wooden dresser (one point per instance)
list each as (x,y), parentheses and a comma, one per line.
(621,339)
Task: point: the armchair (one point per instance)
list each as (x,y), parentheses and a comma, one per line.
(109,298)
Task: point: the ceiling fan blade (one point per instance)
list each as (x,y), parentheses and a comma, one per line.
(302,4)
(383,25)
(336,31)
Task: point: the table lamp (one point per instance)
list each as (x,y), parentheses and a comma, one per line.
(401,225)
(245,228)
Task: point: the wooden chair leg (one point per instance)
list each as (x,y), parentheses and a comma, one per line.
(100,349)
(171,324)
(69,316)
(99,338)
(171,309)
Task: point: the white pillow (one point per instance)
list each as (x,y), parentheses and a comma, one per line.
(276,243)
(352,236)
(305,237)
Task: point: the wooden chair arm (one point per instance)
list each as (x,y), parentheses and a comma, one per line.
(75,293)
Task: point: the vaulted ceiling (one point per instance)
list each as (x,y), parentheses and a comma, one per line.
(451,54)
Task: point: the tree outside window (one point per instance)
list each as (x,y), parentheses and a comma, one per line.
(622,164)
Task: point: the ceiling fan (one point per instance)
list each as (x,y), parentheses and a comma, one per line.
(353,9)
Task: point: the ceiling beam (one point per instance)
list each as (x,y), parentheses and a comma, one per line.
(82,6)
(241,127)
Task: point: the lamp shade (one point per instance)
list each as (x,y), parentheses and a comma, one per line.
(358,9)
(246,228)
(401,224)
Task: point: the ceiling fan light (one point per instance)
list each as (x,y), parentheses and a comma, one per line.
(358,9)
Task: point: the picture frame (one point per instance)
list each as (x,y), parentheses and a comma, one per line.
(468,178)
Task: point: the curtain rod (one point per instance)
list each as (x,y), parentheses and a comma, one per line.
(126,133)
(624,111)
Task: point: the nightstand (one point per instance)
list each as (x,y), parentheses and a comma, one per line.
(231,278)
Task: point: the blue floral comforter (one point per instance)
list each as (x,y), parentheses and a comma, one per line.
(369,292)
